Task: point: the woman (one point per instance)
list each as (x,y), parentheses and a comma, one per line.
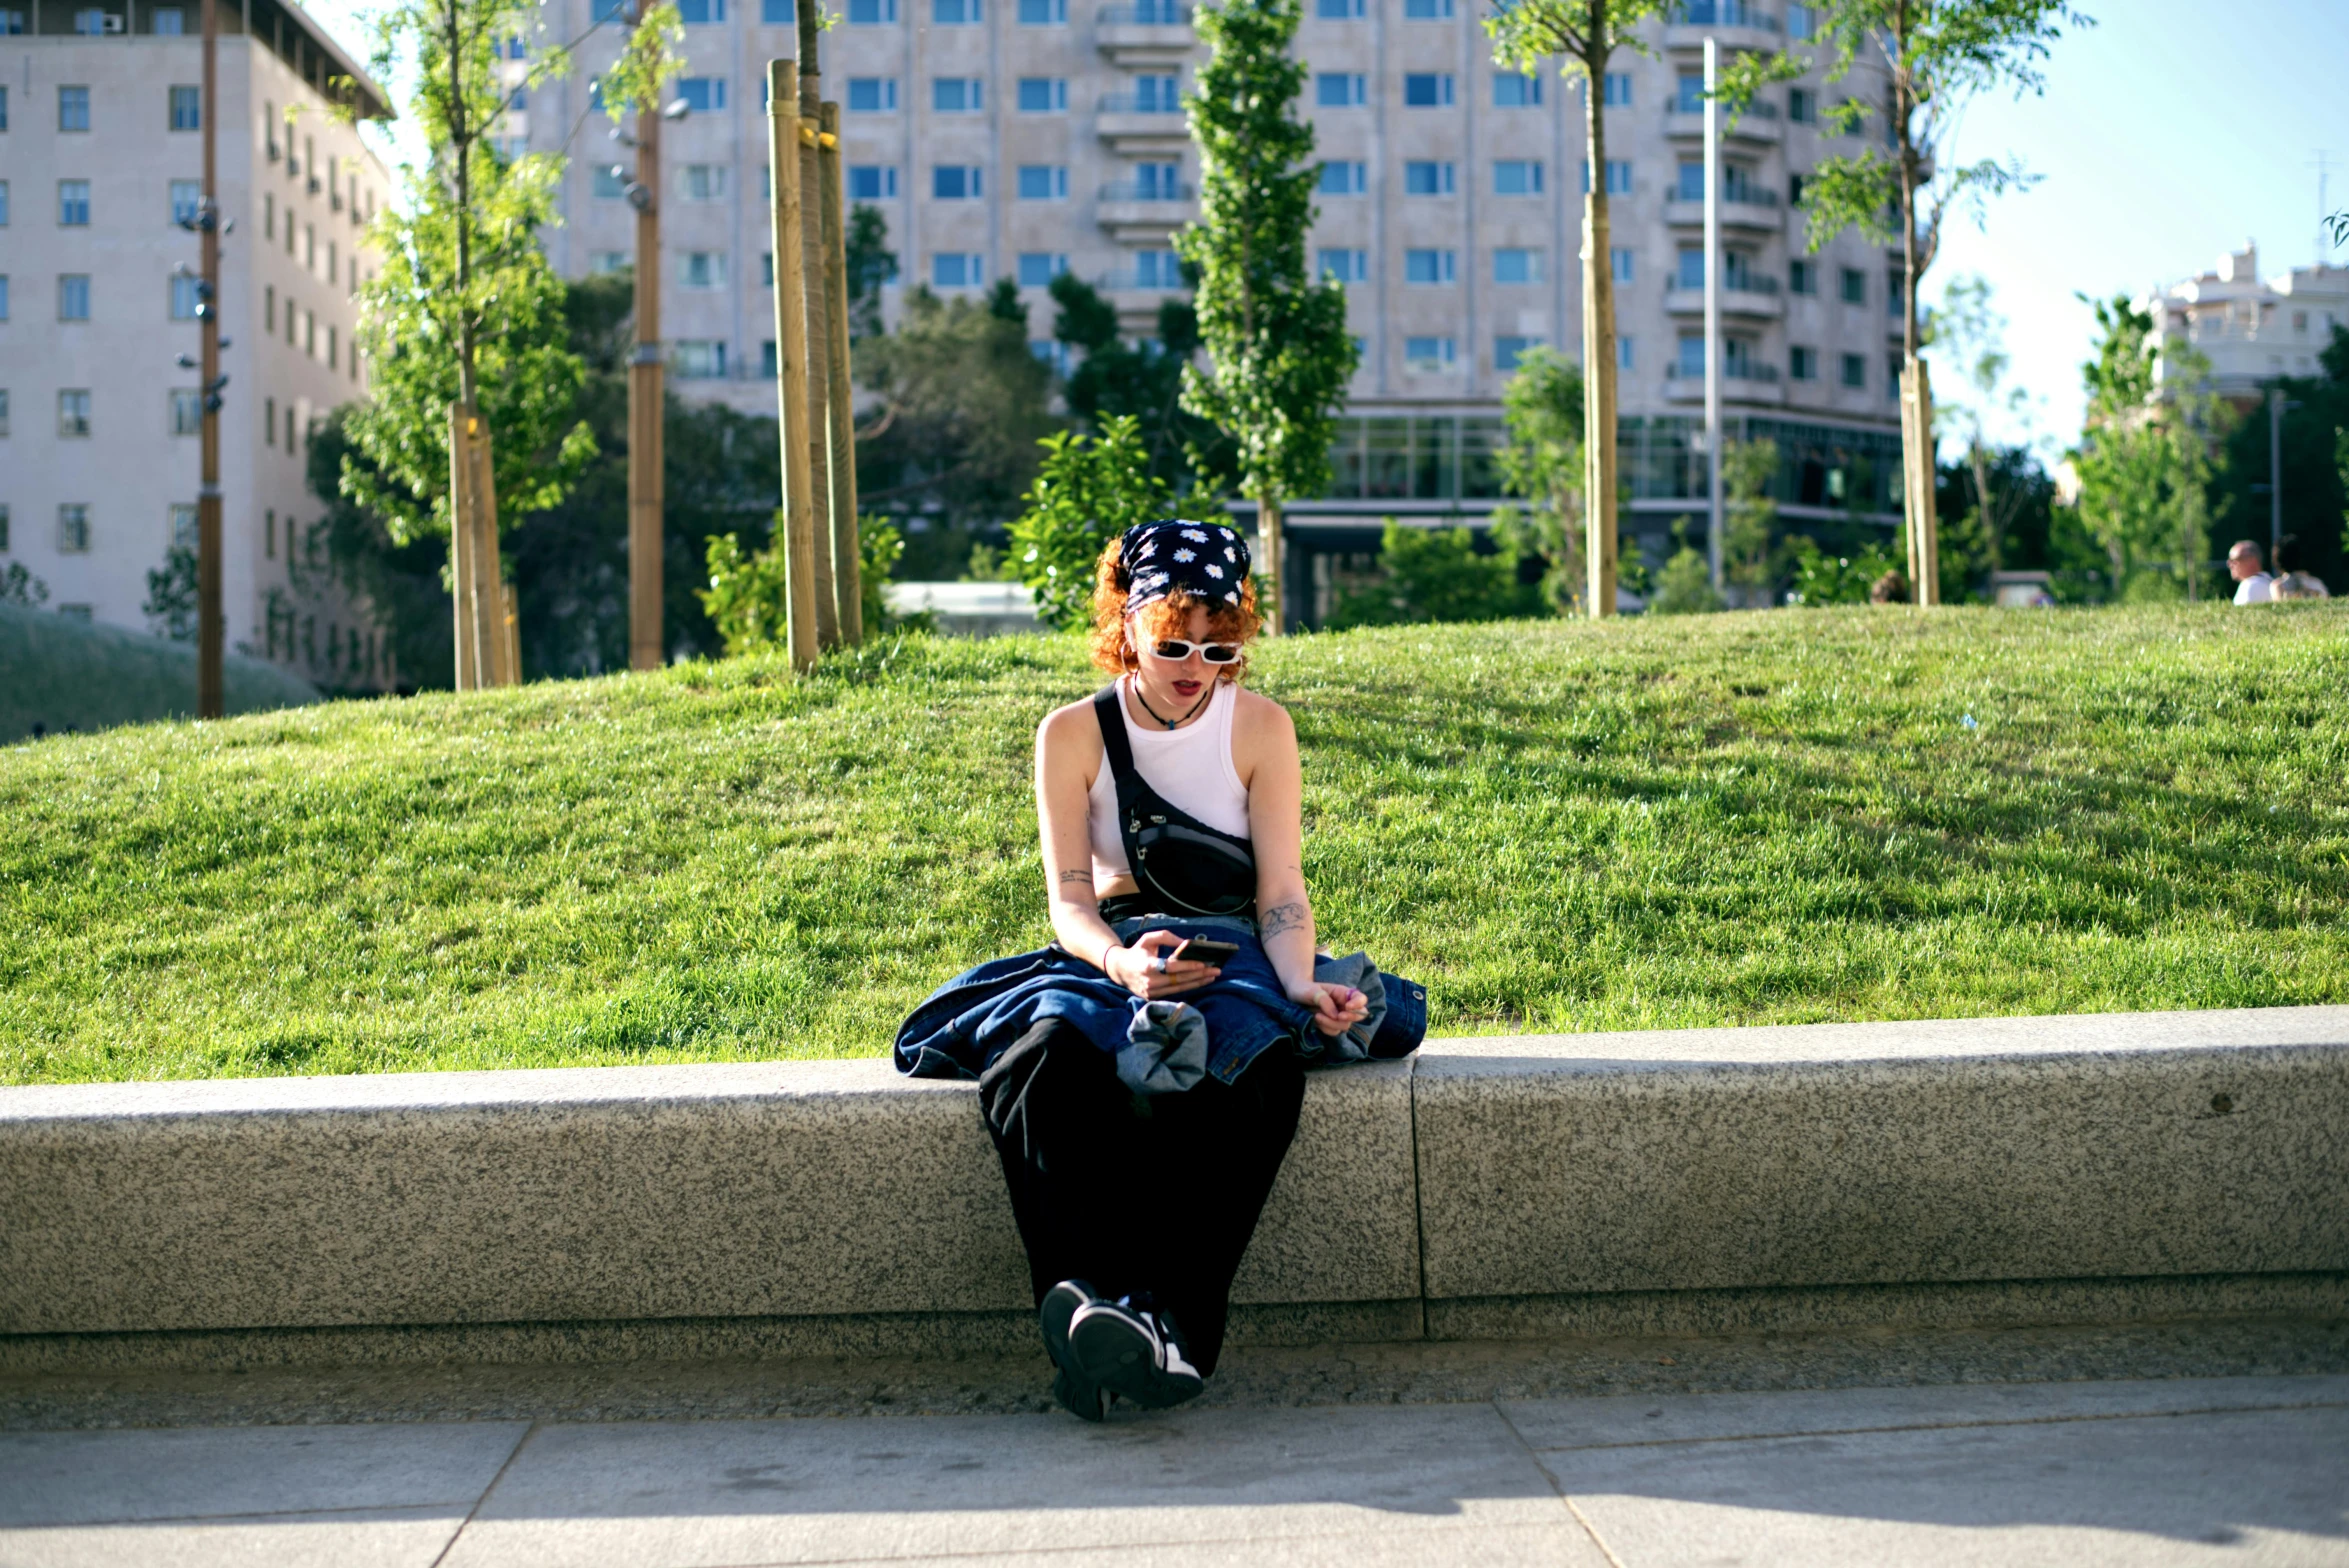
(1142,1100)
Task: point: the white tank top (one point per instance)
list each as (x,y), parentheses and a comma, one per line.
(1191,767)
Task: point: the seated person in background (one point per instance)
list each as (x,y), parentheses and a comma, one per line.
(1141,1096)
(2252,583)
(2301,585)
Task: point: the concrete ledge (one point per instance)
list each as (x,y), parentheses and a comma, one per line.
(2000,1170)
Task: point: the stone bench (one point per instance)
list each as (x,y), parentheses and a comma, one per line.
(1993,1170)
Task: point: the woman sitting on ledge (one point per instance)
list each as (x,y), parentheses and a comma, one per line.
(1142,1076)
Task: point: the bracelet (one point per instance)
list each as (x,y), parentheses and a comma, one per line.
(1103,966)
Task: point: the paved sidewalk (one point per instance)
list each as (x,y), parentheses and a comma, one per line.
(2148,1472)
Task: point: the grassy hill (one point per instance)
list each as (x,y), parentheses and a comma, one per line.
(59,675)
(1737,818)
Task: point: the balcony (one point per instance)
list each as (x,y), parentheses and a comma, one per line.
(1752,212)
(1756,125)
(1749,298)
(1747,383)
(1153,33)
(1133,123)
(1138,212)
(1736,24)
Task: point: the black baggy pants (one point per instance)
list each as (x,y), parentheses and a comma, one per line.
(1135,1194)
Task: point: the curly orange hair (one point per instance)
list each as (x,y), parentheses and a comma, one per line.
(1167,617)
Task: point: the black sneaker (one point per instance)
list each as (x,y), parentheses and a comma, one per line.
(1133,1352)
(1077,1392)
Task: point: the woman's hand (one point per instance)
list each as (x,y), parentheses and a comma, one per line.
(1336,1008)
(1149,970)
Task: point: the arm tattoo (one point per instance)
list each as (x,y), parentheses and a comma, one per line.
(1076,876)
(1279,918)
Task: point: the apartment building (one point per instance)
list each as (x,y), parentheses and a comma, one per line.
(101,167)
(2254,331)
(1025,138)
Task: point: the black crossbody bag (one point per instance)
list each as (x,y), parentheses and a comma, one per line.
(1184,867)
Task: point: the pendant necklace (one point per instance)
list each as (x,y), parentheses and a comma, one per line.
(1205,698)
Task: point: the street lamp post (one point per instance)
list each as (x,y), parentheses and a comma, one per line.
(1713,507)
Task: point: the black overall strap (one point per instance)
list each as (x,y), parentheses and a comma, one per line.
(1117,749)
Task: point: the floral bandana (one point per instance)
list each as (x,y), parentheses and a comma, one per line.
(1205,560)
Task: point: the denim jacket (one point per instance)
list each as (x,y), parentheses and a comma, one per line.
(970,1019)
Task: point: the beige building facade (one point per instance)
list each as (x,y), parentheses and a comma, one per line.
(101,158)
(1023,138)
(2254,330)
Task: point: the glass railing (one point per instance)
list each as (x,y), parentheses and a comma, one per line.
(1146,13)
(1147,190)
(1140,103)
(1725,13)
(1746,372)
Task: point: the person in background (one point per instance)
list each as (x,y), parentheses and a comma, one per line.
(2252,583)
(2301,585)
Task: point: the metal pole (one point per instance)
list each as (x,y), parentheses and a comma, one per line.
(791,368)
(1713,508)
(2275,480)
(645,394)
(210,633)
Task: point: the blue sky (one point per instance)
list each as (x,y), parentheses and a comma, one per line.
(2169,133)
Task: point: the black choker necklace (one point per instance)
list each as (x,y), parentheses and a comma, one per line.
(1186,718)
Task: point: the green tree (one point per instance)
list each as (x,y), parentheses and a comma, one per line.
(1435,574)
(1142,380)
(1902,183)
(747,597)
(1279,354)
(1685,584)
(171,596)
(1967,333)
(870,265)
(1822,579)
(1542,408)
(465,308)
(21,588)
(1087,492)
(2316,411)
(2144,459)
(1749,532)
(958,405)
(1585,35)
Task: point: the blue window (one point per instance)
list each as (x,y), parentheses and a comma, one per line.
(955,13)
(73,203)
(1690,96)
(185,297)
(3,296)
(1802,276)
(702,94)
(1427,10)
(955,182)
(1429,266)
(175,185)
(187,199)
(1157,269)
(1427,90)
(956,94)
(1855,370)
(1623,353)
(73,108)
(1507,351)
(1158,182)
(778,13)
(1620,257)
(1690,184)
(1618,176)
(1512,91)
(3,108)
(1043,182)
(187,109)
(701,13)
(1344,178)
(1517,177)
(1038,268)
(1802,363)
(1345,266)
(1043,95)
(1338,10)
(1341,90)
(1688,360)
(872,182)
(73,297)
(1429,353)
(872,13)
(954,269)
(1513,265)
(872,95)
(1690,271)
(1616,93)
(1892,377)
(1158,95)
(1427,179)
(1043,13)
(611,180)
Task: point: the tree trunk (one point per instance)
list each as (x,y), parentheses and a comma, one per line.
(1598,335)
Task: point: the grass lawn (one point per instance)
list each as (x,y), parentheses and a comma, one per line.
(1746,818)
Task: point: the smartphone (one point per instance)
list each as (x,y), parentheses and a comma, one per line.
(1207,950)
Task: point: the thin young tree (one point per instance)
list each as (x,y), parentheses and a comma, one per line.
(1968,335)
(1586,33)
(1898,188)
(1544,407)
(1279,355)
(465,310)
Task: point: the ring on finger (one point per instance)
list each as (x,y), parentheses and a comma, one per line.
(1161,964)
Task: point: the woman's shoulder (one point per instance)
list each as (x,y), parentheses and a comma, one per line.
(1071,725)
(1259,718)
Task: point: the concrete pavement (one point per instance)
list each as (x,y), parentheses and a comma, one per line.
(2220,1470)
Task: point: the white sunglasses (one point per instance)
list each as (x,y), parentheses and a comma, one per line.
(1176,649)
